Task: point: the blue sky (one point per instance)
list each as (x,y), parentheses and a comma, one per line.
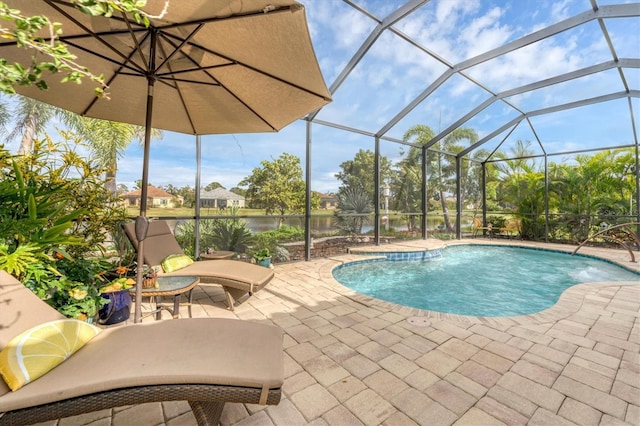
(393,73)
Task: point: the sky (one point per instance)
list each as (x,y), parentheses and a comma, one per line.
(393,73)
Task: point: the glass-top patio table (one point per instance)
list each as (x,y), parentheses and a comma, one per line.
(174,286)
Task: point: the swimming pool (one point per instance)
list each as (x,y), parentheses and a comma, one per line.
(479,280)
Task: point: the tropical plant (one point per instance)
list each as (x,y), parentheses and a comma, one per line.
(54,209)
(27,261)
(76,292)
(272,240)
(263,246)
(353,210)
(35,206)
(229,234)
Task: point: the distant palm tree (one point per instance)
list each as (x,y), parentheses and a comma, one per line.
(444,170)
(106,139)
(30,118)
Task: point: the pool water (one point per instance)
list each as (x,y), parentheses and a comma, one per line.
(479,280)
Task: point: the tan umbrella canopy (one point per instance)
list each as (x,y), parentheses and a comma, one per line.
(202,67)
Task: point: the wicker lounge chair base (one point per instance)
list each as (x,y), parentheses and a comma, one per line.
(238,279)
(205,361)
(206,401)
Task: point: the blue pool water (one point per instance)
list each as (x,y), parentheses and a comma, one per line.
(479,280)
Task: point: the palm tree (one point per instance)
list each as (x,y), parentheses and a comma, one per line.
(106,139)
(513,166)
(444,170)
(600,184)
(30,118)
(406,182)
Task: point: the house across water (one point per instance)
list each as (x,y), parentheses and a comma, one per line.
(221,199)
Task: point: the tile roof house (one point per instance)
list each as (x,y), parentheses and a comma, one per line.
(156,197)
(328,201)
(221,199)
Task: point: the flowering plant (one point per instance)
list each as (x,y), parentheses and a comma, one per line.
(74,291)
(75,299)
(121,282)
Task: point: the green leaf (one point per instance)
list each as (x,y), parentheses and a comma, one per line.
(70,217)
(55,231)
(32,208)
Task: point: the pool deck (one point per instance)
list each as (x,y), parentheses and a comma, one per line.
(354,360)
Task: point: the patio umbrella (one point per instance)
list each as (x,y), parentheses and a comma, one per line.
(203,67)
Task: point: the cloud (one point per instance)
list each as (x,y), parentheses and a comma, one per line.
(560,10)
(485,33)
(534,62)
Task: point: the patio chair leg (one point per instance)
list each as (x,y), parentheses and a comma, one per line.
(233,294)
(207,413)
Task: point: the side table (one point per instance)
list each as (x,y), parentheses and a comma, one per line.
(217,255)
(174,286)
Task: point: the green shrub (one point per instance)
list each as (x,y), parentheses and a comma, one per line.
(54,206)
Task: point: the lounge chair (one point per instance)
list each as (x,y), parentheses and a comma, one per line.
(237,278)
(511,228)
(206,361)
(477,227)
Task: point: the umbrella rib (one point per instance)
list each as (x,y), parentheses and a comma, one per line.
(127,65)
(113,77)
(87,30)
(176,87)
(236,62)
(190,70)
(178,48)
(132,33)
(187,81)
(253,111)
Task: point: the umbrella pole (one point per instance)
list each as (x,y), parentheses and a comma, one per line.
(196,227)
(145,181)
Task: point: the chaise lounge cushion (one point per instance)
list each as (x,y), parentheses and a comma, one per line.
(190,352)
(185,351)
(230,273)
(238,279)
(18,313)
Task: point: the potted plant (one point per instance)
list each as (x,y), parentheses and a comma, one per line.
(262,257)
(149,277)
(116,292)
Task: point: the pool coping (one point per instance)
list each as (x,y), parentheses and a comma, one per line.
(570,301)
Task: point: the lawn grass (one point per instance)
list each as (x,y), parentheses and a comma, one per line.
(190,212)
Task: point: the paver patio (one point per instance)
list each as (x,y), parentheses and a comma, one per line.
(353,360)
